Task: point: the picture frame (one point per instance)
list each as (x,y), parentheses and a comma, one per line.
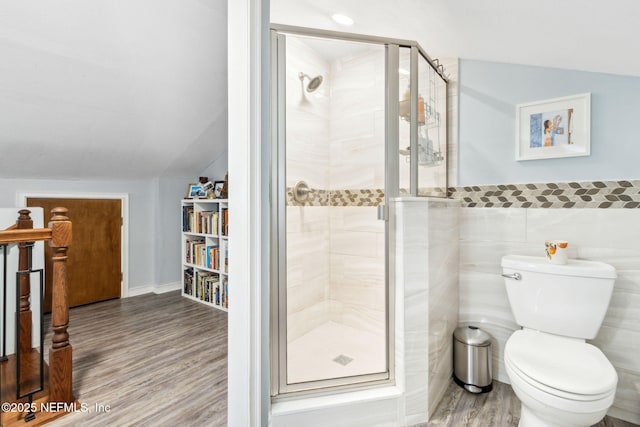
(217,189)
(195,191)
(554,128)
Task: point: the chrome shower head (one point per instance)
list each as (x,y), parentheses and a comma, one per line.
(314,83)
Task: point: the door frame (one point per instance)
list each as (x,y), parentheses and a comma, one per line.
(21,200)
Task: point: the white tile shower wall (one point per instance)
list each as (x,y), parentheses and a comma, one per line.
(307,158)
(357,152)
(608,235)
(357,125)
(307,269)
(307,117)
(357,273)
(427,233)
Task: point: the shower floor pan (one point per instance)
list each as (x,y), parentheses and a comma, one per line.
(335,350)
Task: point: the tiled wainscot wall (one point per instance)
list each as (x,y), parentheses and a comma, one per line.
(601,222)
(426,258)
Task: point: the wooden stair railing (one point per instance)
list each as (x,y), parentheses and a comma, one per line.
(59,235)
(60,360)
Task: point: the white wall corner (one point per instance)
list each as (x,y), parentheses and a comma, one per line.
(155,289)
(139,290)
(167,287)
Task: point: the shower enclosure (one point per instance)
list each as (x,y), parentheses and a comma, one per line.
(356,121)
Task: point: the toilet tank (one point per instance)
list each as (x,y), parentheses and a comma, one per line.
(569,300)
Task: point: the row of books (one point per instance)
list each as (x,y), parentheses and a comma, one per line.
(206,286)
(214,257)
(205,222)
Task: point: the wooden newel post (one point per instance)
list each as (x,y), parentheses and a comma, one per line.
(24,222)
(60,355)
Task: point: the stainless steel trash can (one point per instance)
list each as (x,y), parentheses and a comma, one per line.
(472,359)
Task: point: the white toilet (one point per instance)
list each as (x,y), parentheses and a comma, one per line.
(559,378)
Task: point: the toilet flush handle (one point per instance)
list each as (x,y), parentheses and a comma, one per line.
(516,276)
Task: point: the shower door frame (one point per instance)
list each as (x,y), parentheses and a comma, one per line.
(280,389)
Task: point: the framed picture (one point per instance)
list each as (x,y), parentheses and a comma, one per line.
(559,127)
(196,191)
(217,189)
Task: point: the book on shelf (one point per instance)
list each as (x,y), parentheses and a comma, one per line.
(225,221)
(188,281)
(225,290)
(187,218)
(216,217)
(223,264)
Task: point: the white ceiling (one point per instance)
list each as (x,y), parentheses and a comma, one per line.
(138,88)
(575,34)
(105,89)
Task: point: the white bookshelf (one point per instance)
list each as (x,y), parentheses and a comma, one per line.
(205,255)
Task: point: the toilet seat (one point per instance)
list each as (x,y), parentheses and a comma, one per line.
(563,367)
(552,396)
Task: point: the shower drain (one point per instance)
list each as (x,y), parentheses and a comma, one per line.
(343,360)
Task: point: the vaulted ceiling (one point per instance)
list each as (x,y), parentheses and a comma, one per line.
(572,34)
(104,88)
(138,88)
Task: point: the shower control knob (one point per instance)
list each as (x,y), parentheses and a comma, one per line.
(301,192)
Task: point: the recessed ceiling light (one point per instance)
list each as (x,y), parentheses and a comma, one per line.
(342,19)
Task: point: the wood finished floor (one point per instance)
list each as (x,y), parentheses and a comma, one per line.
(499,408)
(161,360)
(156,360)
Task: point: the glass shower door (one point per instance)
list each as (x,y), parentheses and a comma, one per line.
(333,301)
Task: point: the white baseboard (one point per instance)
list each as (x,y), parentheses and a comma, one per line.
(167,287)
(141,290)
(156,289)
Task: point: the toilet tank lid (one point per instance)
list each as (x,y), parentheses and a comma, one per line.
(575,267)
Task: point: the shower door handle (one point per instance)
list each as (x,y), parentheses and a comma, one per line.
(383,213)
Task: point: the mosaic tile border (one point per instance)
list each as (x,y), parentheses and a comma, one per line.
(316,198)
(361,197)
(588,194)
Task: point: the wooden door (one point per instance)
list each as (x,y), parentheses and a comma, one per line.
(94,256)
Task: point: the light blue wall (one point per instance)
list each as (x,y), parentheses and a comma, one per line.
(154,220)
(489,92)
(168,217)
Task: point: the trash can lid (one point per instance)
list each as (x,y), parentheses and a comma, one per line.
(471,335)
